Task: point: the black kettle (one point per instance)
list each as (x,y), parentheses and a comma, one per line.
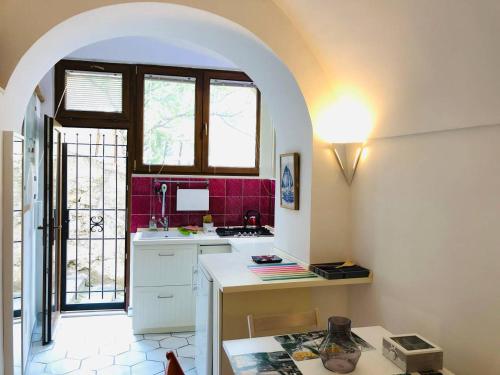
(251,219)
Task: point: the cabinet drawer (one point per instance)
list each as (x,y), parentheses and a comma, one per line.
(166,307)
(165,266)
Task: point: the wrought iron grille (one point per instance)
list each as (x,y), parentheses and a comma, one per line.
(95,218)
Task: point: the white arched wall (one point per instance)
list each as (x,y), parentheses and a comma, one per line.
(190,26)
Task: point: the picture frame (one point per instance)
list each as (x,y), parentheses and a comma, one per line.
(290,180)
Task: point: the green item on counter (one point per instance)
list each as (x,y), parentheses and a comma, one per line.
(184,231)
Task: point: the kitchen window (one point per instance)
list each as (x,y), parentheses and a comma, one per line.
(92,91)
(197,121)
(185,120)
(231,118)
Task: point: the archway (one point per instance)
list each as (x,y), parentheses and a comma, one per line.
(191,26)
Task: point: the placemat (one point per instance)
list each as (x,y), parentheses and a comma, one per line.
(281,271)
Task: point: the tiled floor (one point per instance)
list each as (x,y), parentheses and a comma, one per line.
(105,345)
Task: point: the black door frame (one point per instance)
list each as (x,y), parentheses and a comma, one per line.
(51,231)
(64,237)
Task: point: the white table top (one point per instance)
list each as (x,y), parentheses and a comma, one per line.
(370,363)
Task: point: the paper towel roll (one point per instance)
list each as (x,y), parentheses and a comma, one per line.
(192,200)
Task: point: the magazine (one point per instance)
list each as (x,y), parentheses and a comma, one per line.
(274,363)
(304,346)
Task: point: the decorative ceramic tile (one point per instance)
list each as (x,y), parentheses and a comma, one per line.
(229,199)
(106,345)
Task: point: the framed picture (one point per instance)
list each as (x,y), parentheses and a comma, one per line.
(289,180)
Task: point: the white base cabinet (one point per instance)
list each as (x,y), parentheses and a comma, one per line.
(164,309)
(164,286)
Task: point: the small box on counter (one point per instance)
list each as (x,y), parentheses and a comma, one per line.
(339,270)
(412,353)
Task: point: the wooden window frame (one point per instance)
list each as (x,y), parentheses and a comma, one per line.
(139,166)
(132,119)
(95,118)
(228,76)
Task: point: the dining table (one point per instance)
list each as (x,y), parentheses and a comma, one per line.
(371,362)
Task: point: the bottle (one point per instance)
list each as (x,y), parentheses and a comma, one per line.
(338,351)
(152,223)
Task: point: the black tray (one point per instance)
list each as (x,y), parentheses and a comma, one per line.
(330,271)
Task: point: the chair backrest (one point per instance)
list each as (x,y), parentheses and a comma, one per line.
(173,368)
(265,325)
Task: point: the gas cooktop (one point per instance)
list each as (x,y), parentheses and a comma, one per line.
(243,232)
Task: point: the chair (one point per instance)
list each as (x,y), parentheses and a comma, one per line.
(266,325)
(173,368)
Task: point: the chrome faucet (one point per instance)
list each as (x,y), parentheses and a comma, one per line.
(163,222)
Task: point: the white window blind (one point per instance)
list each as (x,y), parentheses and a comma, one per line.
(93,91)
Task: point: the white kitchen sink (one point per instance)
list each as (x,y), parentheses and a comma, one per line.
(162,234)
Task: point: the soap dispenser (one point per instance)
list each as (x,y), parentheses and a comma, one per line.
(152,223)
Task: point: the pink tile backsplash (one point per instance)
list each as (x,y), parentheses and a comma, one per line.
(229,199)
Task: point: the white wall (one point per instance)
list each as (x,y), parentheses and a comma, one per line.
(425,209)
(142,50)
(426,221)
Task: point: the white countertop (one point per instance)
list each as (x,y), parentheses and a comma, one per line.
(370,363)
(231,274)
(230,271)
(239,243)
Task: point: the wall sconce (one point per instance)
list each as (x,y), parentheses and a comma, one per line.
(346,124)
(348,155)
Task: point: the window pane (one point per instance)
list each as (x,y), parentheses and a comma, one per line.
(169,123)
(93,91)
(233,124)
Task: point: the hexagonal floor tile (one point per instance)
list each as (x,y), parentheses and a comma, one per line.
(63,366)
(115,349)
(157,336)
(82,352)
(130,358)
(191,340)
(186,351)
(182,334)
(159,355)
(186,363)
(144,345)
(115,370)
(50,356)
(81,372)
(36,368)
(97,362)
(173,342)
(147,367)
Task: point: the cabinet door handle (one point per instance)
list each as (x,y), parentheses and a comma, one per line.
(165,297)
(194,278)
(165,255)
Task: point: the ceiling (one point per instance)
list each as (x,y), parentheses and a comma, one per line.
(420,65)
